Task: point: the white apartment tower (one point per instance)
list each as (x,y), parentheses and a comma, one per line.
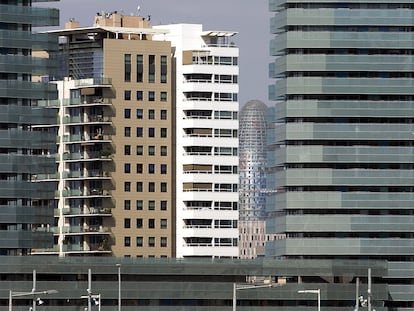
(206,102)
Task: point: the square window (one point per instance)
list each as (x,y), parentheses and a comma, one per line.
(127,223)
(127,149)
(140,95)
(127,95)
(163,241)
(163,114)
(151,114)
(163,205)
(140,205)
(139,168)
(140,132)
(151,223)
(163,96)
(151,150)
(151,205)
(140,240)
(151,241)
(151,187)
(163,187)
(163,168)
(163,132)
(151,168)
(127,113)
(127,241)
(151,132)
(163,223)
(127,205)
(127,131)
(151,96)
(127,186)
(127,168)
(139,186)
(140,113)
(139,223)
(163,151)
(140,150)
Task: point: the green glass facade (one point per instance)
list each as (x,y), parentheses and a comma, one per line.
(343,168)
(25,151)
(190,284)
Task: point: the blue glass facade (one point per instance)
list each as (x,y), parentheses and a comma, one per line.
(344,165)
(25,151)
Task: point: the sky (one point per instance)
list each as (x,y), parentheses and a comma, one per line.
(250,18)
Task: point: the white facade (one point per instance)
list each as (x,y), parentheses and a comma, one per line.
(206,141)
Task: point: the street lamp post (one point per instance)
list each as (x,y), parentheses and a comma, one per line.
(313,291)
(32,293)
(235,289)
(119,286)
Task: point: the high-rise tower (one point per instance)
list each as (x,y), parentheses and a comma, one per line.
(344,167)
(252,179)
(25,214)
(114,140)
(206,103)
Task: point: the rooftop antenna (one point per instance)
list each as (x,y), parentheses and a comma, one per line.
(138,10)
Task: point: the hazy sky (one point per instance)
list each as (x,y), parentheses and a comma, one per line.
(250,18)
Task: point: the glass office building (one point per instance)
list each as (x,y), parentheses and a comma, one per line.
(344,165)
(24,151)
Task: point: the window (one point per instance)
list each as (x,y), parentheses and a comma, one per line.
(127,131)
(163,69)
(127,149)
(139,204)
(151,96)
(163,151)
(140,113)
(140,67)
(151,68)
(163,205)
(140,95)
(151,187)
(163,187)
(127,241)
(151,150)
(139,168)
(127,67)
(127,223)
(151,241)
(151,168)
(140,132)
(151,223)
(140,150)
(127,113)
(139,186)
(163,168)
(139,223)
(163,96)
(127,186)
(151,205)
(163,223)
(127,95)
(140,240)
(151,132)
(163,241)
(163,132)
(127,205)
(151,114)
(163,115)
(127,168)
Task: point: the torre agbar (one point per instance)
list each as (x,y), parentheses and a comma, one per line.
(343,168)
